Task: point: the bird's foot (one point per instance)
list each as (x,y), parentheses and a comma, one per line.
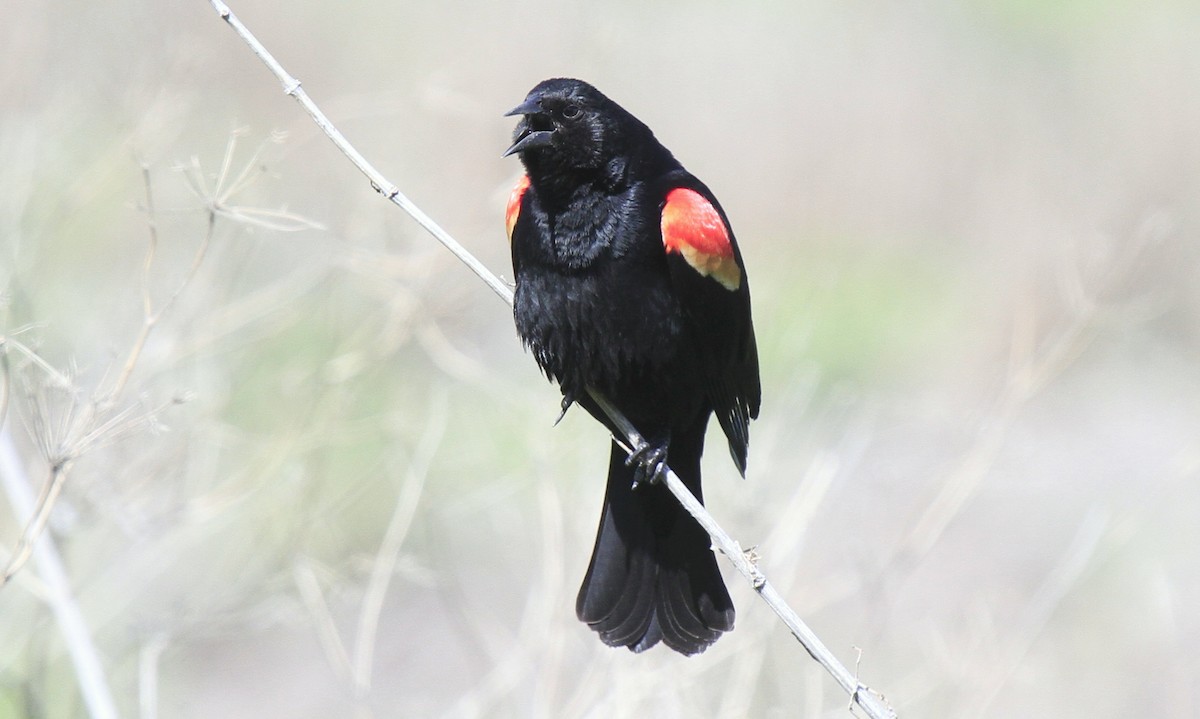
(567,400)
(649,462)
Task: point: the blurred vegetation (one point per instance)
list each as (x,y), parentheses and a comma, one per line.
(971,232)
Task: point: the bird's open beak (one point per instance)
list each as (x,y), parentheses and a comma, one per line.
(529,137)
(528,140)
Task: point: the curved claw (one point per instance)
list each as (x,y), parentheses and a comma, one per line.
(567,400)
(651,461)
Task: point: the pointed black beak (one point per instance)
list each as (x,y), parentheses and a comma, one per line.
(529,107)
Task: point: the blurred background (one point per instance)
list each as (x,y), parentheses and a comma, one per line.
(322,479)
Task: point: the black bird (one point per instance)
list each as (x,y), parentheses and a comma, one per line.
(629,281)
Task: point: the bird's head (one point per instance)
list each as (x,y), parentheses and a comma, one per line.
(566,125)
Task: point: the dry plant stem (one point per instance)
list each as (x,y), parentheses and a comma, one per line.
(51,489)
(384,565)
(148,656)
(327,634)
(356,670)
(859,693)
(89,670)
(291,86)
(93,428)
(151,316)
(1058,583)
(1029,372)
(868,700)
(1031,368)
(4,380)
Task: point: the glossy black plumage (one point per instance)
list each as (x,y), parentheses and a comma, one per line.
(600,302)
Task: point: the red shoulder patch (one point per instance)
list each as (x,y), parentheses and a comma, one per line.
(514,204)
(692,227)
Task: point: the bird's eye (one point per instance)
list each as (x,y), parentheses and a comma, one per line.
(570,112)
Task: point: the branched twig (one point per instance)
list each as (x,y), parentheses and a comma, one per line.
(61,442)
(151,316)
(83,426)
(96,422)
(871,702)
(291,86)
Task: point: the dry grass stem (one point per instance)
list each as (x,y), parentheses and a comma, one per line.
(384,565)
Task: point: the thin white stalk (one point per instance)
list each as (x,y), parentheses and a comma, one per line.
(291,86)
(89,670)
(384,566)
(148,657)
(868,700)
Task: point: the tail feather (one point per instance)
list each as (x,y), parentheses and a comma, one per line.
(653,576)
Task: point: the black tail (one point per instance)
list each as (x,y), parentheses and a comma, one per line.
(653,575)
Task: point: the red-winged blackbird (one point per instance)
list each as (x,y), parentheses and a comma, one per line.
(629,281)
